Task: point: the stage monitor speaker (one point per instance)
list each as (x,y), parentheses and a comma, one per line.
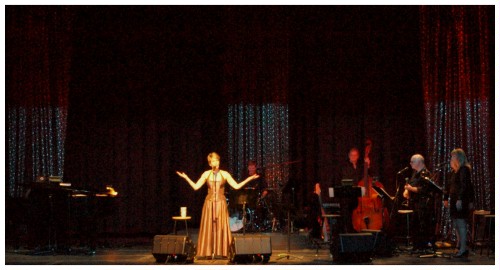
(382,245)
(355,247)
(250,249)
(173,248)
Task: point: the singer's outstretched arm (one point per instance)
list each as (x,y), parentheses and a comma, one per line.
(235,185)
(198,183)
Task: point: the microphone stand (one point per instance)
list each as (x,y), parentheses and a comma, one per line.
(214,216)
(289,224)
(440,168)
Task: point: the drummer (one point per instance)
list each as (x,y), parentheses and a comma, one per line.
(256,206)
(260,186)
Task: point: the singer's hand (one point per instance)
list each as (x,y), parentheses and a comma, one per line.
(459,205)
(255,176)
(181,174)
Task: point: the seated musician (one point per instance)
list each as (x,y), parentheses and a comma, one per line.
(421,200)
(254,192)
(261,185)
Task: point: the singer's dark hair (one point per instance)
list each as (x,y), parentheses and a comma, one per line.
(252,162)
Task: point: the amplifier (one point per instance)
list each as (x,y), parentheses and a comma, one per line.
(353,247)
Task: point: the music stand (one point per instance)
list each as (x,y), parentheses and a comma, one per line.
(288,255)
(435,188)
(382,193)
(347,182)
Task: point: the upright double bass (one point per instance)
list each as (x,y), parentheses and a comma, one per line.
(370,211)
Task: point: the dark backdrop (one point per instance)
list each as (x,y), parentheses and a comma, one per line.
(150,86)
(149,96)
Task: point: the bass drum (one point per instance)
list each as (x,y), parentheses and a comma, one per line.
(263,218)
(235,224)
(236,221)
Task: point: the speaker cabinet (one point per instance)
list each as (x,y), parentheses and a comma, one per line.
(173,248)
(383,246)
(353,247)
(250,249)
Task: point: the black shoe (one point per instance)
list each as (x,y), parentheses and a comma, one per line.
(464,254)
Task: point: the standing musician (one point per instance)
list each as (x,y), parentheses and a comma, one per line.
(353,169)
(421,200)
(461,195)
(370,213)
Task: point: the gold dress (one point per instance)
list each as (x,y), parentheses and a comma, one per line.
(214,219)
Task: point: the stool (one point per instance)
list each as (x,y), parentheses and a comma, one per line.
(179,218)
(478,221)
(407,213)
(489,241)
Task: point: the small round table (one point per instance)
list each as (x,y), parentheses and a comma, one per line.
(179,218)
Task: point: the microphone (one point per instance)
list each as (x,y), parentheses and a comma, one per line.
(403,170)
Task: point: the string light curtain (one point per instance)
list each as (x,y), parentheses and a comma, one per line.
(255,86)
(260,133)
(37,80)
(457,89)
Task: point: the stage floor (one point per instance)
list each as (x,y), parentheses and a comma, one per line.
(137,251)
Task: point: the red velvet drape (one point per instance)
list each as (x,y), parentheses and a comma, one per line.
(457,80)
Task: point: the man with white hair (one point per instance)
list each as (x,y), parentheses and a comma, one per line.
(421,200)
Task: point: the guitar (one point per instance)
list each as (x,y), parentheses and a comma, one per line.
(323,221)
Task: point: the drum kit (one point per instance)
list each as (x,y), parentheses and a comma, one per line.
(248,212)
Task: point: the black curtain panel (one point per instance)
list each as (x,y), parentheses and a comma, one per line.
(39,55)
